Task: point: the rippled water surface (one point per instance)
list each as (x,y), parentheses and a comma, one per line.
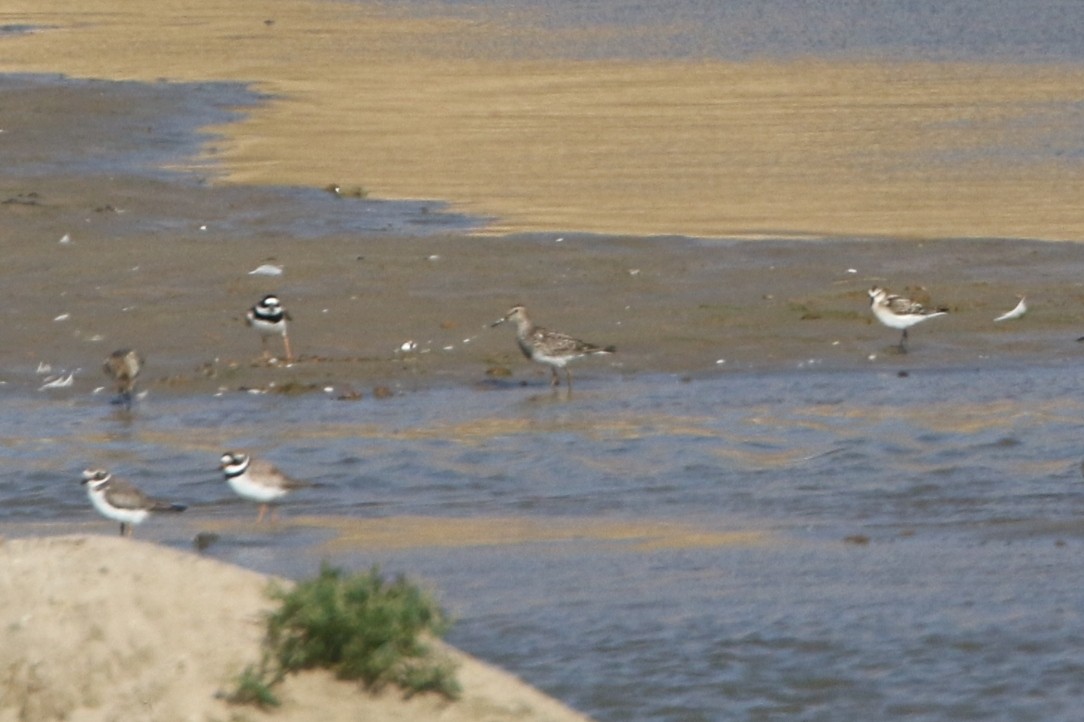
(1002,30)
(800,546)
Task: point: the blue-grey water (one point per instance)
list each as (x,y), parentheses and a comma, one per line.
(802,546)
(941,30)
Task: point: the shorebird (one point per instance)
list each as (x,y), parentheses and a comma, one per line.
(123,366)
(269,318)
(549,347)
(120,501)
(899,312)
(257,480)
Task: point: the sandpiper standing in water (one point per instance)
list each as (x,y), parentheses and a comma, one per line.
(123,366)
(899,312)
(269,318)
(257,480)
(120,501)
(549,347)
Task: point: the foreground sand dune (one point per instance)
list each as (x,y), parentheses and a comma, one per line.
(101,628)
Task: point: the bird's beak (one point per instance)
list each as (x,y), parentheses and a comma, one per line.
(498,322)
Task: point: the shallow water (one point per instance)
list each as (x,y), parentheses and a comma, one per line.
(805,545)
(984,30)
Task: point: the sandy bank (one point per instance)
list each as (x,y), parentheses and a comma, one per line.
(163,264)
(421,108)
(100,628)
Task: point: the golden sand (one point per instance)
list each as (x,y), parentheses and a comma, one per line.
(407,532)
(412,108)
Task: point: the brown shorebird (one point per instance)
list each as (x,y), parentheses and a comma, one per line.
(123,366)
(547,347)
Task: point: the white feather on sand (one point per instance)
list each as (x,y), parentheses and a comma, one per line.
(1020,309)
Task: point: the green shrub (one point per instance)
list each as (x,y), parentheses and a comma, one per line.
(253,686)
(362,627)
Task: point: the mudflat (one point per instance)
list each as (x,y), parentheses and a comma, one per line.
(97,262)
(807,183)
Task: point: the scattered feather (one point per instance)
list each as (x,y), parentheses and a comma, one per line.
(60,382)
(266,269)
(1020,310)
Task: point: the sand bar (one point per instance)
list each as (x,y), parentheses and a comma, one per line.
(423,108)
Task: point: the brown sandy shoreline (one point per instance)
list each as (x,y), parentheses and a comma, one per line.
(164,266)
(426,108)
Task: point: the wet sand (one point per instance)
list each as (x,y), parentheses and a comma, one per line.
(477,114)
(671,307)
(899,163)
(163,264)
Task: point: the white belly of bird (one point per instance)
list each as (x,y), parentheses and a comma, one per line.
(128,516)
(558,361)
(268,328)
(246,487)
(895,320)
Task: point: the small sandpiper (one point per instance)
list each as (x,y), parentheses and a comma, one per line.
(899,312)
(549,347)
(269,318)
(257,480)
(120,501)
(123,366)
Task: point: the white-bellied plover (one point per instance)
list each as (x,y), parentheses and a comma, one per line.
(269,318)
(123,366)
(899,312)
(120,501)
(549,347)
(257,480)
